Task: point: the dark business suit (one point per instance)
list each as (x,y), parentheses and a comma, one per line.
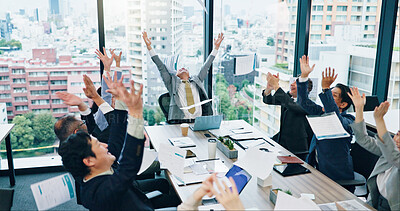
(94,130)
(334,159)
(116,192)
(293,120)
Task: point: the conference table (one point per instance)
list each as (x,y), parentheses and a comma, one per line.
(253,195)
(5,130)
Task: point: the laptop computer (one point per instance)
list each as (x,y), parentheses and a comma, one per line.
(207,122)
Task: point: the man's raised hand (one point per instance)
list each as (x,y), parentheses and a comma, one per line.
(358,100)
(107,61)
(328,77)
(116,58)
(89,89)
(218,41)
(147,40)
(305,66)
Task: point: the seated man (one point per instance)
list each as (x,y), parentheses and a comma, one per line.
(292,116)
(105,188)
(384,180)
(330,156)
(183,89)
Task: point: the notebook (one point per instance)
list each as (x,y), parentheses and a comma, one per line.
(182,142)
(290,159)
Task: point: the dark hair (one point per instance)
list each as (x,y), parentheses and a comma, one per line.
(65,126)
(73,151)
(343,94)
(310,85)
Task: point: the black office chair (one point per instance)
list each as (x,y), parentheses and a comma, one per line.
(363,164)
(6,199)
(164,101)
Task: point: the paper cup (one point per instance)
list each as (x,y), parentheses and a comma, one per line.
(184,128)
(212,148)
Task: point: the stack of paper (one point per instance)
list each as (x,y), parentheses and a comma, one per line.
(182,142)
(343,205)
(327,126)
(287,202)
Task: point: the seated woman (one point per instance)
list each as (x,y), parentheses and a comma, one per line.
(384,181)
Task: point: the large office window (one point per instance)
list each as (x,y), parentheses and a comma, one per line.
(45,45)
(258,40)
(394,82)
(349,46)
(176,30)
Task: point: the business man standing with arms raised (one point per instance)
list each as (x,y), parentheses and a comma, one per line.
(184,89)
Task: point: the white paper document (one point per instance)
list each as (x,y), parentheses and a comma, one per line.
(287,202)
(327,126)
(182,142)
(250,162)
(347,205)
(149,156)
(197,104)
(172,158)
(53,192)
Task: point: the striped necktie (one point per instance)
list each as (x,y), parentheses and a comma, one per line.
(189,96)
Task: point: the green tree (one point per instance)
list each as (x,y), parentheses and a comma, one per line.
(29,115)
(145,113)
(270,41)
(150,117)
(22,134)
(159,115)
(245,82)
(43,125)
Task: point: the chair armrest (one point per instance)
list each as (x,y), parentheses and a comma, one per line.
(153,194)
(350,182)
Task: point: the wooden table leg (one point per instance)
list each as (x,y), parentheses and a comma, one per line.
(11,171)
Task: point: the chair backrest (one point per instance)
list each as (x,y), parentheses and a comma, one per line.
(6,199)
(164,101)
(363,161)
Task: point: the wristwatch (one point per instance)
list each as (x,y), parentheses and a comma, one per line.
(325,90)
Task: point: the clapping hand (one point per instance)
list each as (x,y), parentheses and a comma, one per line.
(89,89)
(227,197)
(328,78)
(358,100)
(147,40)
(218,41)
(273,81)
(69,99)
(305,66)
(107,61)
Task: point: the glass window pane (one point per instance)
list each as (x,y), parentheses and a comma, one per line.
(176,29)
(258,40)
(45,46)
(347,46)
(394,83)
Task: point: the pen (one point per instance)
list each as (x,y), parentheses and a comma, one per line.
(269,143)
(207,160)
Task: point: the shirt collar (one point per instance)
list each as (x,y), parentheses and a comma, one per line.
(109,172)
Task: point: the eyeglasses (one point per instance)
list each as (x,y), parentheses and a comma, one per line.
(80,125)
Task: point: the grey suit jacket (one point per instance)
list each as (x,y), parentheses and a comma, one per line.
(172,83)
(389,156)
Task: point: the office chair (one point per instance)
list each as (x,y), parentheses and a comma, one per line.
(164,101)
(6,199)
(363,164)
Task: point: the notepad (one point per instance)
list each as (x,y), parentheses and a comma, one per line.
(182,142)
(290,159)
(327,126)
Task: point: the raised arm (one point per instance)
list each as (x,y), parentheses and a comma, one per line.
(302,84)
(206,66)
(165,75)
(387,145)
(359,127)
(267,97)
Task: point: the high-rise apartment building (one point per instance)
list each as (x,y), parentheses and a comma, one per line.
(163,20)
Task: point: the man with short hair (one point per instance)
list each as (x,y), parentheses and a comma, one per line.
(183,89)
(292,116)
(330,156)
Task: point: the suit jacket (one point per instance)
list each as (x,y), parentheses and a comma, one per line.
(93,128)
(389,157)
(292,116)
(116,192)
(334,159)
(172,83)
